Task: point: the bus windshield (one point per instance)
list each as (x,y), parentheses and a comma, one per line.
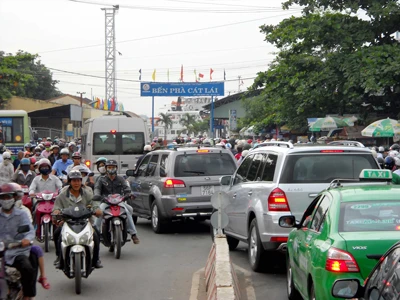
(121,143)
(12,129)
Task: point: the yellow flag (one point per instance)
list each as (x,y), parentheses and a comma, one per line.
(154,75)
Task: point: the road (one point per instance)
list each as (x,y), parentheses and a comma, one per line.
(160,268)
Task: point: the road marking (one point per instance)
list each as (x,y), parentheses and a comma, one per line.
(250,292)
(194,291)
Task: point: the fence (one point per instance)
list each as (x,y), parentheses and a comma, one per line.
(49,132)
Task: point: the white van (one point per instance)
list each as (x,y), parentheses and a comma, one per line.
(121,138)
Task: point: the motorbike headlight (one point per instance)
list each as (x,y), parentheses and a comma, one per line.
(84,239)
(70,239)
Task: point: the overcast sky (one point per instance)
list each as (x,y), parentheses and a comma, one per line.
(143,37)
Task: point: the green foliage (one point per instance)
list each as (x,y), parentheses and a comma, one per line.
(166,120)
(199,127)
(24,75)
(187,120)
(329,61)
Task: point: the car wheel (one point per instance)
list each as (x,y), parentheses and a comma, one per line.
(257,257)
(293,293)
(158,223)
(232,242)
(312,291)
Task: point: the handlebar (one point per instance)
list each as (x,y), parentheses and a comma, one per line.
(14,245)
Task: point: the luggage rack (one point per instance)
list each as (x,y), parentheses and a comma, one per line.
(276,143)
(335,183)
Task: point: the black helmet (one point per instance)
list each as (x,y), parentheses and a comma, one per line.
(74,174)
(389,163)
(395,147)
(111,163)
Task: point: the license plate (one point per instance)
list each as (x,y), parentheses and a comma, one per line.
(207,190)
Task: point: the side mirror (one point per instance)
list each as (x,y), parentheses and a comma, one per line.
(287,222)
(64,172)
(23,229)
(130,173)
(347,289)
(225,180)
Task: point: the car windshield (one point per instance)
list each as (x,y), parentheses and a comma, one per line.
(379,215)
(323,168)
(210,164)
(121,143)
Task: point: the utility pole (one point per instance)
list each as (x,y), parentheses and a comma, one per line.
(111,91)
(81,93)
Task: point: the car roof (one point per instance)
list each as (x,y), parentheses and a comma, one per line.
(310,148)
(365,192)
(192,150)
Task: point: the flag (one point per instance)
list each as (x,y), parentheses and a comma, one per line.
(98,103)
(102,104)
(140,74)
(109,104)
(121,107)
(112,100)
(105,107)
(195,75)
(181,73)
(116,105)
(201,76)
(211,71)
(153,76)
(224,75)
(93,103)
(168,75)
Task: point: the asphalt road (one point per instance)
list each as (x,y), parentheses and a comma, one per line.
(159,268)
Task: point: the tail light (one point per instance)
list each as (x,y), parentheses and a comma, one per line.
(340,261)
(277,201)
(87,163)
(281,239)
(174,183)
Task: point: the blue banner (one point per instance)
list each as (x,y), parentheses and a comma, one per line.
(7,122)
(185,89)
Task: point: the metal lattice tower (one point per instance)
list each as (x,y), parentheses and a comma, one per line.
(111,90)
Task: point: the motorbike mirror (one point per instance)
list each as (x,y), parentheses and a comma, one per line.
(23,229)
(64,172)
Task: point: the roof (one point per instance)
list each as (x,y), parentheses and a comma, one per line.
(370,191)
(308,147)
(77,98)
(233,98)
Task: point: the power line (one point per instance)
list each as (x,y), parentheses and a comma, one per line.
(164,35)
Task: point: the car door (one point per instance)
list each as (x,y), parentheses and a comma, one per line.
(151,177)
(236,193)
(136,184)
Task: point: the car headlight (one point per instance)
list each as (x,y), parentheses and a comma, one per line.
(84,239)
(70,239)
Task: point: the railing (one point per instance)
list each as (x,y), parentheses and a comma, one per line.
(48,132)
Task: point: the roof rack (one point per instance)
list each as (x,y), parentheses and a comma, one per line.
(277,143)
(346,143)
(335,183)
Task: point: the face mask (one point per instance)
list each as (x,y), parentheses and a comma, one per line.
(25,168)
(112,171)
(102,170)
(7,204)
(44,171)
(47,149)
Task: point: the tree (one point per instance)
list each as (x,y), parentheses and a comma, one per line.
(166,120)
(24,75)
(187,121)
(199,127)
(330,61)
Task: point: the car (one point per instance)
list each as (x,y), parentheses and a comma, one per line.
(341,235)
(280,178)
(382,283)
(176,184)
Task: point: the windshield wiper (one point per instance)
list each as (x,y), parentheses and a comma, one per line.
(197,172)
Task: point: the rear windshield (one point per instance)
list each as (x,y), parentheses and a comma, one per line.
(208,164)
(378,215)
(120,143)
(323,168)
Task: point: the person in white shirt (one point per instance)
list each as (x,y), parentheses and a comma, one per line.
(6,169)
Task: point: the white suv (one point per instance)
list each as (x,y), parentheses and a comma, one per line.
(277,179)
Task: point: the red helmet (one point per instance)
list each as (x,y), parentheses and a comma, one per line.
(33,160)
(249,141)
(18,190)
(47,144)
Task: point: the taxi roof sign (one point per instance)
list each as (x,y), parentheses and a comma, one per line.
(375,174)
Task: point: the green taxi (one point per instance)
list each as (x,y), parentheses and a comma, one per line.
(342,234)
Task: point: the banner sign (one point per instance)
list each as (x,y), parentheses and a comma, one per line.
(232,119)
(186,89)
(7,122)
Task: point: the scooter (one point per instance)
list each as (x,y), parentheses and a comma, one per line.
(26,200)
(10,277)
(44,207)
(114,230)
(77,244)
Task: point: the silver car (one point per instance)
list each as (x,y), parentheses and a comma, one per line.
(278,179)
(174,184)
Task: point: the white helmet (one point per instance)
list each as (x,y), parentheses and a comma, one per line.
(381,149)
(6,155)
(147,148)
(64,151)
(44,161)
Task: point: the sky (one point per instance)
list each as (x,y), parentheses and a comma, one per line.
(150,35)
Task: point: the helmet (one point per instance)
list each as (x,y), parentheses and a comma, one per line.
(389,162)
(54,146)
(71,144)
(249,141)
(27,153)
(169,146)
(32,160)
(28,145)
(6,155)
(25,161)
(37,149)
(64,151)
(113,163)
(74,174)
(76,155)
(13,189)
(381,161)
(245,152)
(397,162)
(147,148)
(44,162)
(18,190)
(48,138)
(47,144)
(395,147)
(101,160)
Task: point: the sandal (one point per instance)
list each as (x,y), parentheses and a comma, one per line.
(43,281)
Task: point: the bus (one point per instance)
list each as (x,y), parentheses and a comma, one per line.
(14,129)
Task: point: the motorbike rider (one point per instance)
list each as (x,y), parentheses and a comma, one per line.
(45,181)
(72,195)
(114,184)
(19,258)
(55,154)
(46,152)
(62,164)
(38,153)
(76,161)
(6,168)
(23,175)
(101,167)
(71,148)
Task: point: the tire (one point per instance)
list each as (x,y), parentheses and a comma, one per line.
(158,223)
(135,218)
(256,253)
(117,241)
(78,274)
(293,293)
(46,229)
(312,291)
(232,242)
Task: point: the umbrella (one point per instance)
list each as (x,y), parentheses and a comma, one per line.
(383,128)
(327,123)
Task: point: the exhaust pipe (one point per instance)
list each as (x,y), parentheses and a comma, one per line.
(282,247)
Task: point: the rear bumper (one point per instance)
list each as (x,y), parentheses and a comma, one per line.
(174,209)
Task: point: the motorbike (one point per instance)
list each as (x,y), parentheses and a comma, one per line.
(114,230)
(77,244)
(10,277)
(44,207)
(26,200)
